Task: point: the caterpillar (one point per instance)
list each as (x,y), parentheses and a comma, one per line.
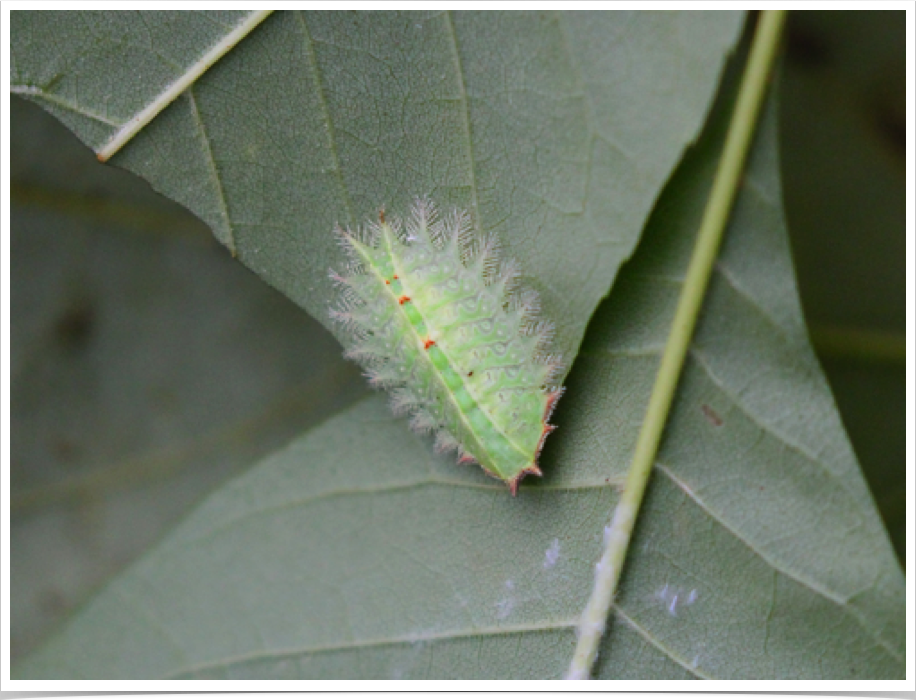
(433,315)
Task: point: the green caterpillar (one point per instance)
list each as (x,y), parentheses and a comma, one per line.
(433,316)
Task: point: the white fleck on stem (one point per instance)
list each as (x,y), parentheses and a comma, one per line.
(718,208)
(133,126)
(607,573)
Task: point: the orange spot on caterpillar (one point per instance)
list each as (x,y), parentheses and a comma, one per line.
(471,373)
(428,343)
(387,281)
(396,277)
(403,300)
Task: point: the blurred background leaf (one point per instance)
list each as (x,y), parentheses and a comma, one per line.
(147,366)
(842,125)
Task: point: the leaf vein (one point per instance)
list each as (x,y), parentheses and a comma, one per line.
(372,643)
(466,118)
(34,91)
(333,146)
(631,622)
(841,601)
(213,170)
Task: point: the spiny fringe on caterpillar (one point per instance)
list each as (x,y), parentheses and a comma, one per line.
(436,317)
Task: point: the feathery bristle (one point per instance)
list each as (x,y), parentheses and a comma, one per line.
(434,316)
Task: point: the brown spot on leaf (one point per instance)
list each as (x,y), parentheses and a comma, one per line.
(711,415)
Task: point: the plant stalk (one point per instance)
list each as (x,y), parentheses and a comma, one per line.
(738,142)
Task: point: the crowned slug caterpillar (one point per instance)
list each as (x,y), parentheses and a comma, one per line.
(434,316)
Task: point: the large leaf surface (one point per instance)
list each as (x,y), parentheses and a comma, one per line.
(356,553)
(555,130)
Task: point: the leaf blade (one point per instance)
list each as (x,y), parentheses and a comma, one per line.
(320,118)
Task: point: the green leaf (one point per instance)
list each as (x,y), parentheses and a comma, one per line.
(357,554)
(555,130)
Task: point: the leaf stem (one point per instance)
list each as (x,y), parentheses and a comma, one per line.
(718,208)
(137,122)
